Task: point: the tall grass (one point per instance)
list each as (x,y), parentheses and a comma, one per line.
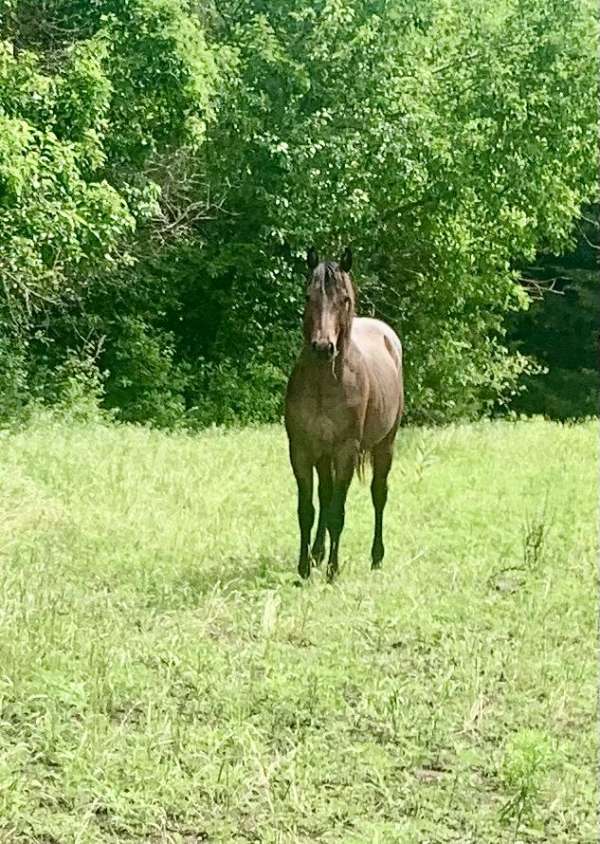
(163,678)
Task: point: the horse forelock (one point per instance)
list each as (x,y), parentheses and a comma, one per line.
(328,277)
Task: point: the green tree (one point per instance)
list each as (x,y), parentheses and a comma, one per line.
(93,99)
(447,141)
(560,329)
(165,163)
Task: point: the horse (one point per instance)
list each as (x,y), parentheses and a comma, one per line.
(343,404)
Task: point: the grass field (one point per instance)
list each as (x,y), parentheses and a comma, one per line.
(164,679)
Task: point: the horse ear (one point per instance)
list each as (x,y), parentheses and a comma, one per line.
(346,262)
(312,259)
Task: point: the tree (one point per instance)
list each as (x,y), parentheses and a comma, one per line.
(93,98)
(560,329)
(447,141)
(164,165)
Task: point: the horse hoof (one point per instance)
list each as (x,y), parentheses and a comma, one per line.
(304,571)
(377,553)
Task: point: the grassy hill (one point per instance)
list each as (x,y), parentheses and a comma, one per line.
(164,679)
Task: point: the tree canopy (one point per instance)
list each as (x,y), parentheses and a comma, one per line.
(164,165)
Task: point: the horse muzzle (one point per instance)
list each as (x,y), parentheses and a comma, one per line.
(324,349)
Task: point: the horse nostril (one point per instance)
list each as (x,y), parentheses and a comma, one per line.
(323,348)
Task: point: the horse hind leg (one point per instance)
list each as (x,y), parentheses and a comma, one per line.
(325,491)
(382,462)
(344,463)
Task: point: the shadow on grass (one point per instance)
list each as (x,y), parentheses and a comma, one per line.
(191,582)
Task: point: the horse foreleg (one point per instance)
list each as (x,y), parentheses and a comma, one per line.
(343,466)
(303,471)
(325,491)
(382,462)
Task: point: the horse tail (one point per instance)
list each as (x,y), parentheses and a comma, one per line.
(364,458)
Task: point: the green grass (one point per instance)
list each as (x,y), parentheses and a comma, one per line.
(163,678)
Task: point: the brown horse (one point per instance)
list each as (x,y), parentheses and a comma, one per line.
(344,400)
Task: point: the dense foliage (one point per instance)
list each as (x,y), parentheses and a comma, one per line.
(95,98)
(164,164)
(560,329)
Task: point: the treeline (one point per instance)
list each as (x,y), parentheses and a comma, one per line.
(165,163)
(560,330)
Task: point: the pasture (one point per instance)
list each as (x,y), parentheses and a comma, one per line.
(164,679)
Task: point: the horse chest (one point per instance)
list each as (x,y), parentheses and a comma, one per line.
(320,427)
(326,416)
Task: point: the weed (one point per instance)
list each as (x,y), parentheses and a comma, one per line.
(524,768)
(535,534)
